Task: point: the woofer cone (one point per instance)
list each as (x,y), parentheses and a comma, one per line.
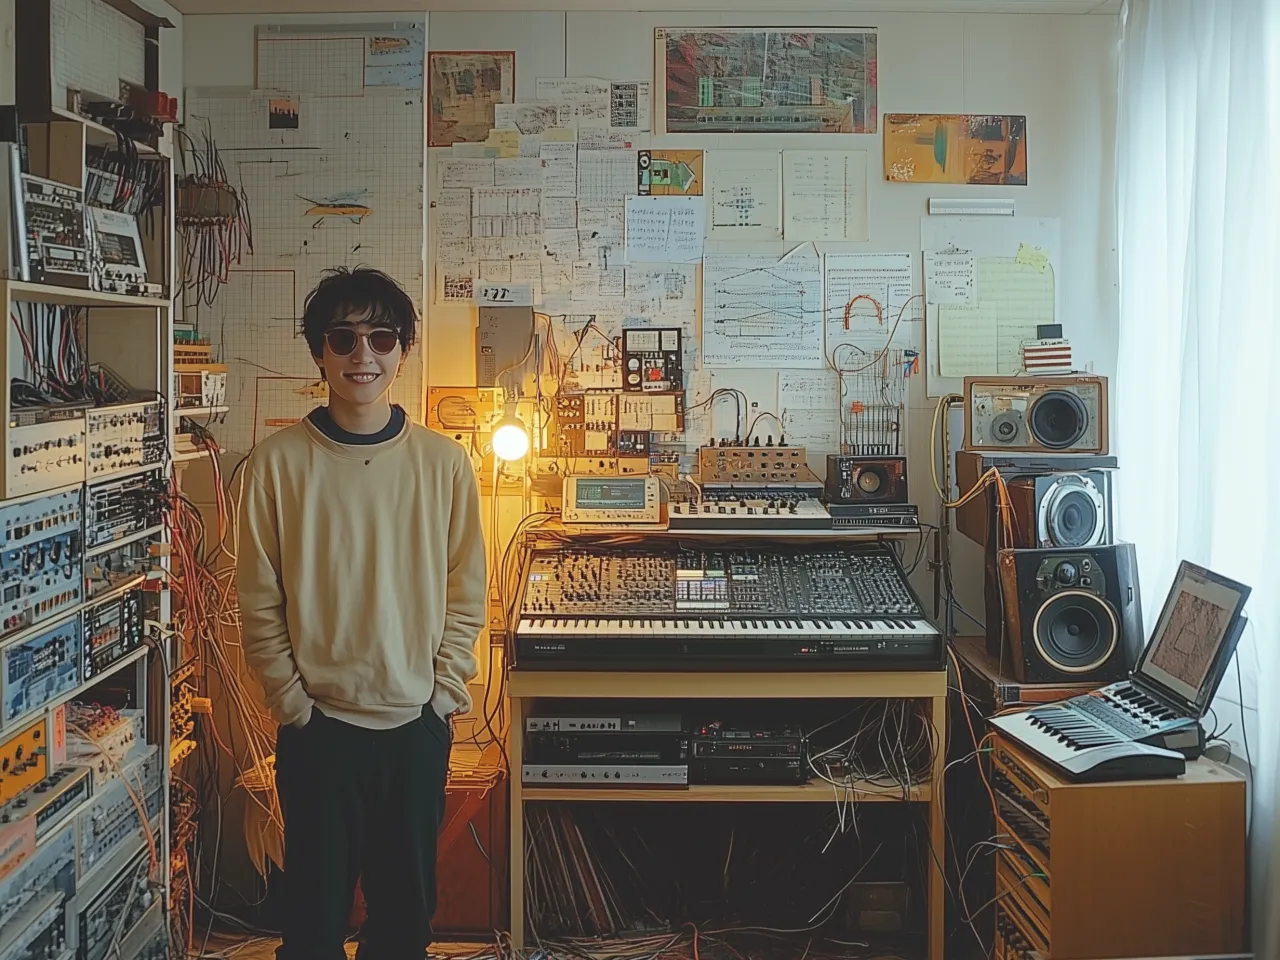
(1072,513)
(1075,631)
(1058,419)
(872,481)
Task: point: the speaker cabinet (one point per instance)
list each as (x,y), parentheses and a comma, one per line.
(866,479)
(1036,414)
(1062,510)
(1072,614)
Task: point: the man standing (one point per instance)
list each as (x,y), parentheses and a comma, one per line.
(361,575)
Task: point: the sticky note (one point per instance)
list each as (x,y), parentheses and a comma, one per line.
(1033,257)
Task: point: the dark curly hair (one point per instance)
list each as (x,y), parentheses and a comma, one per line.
(364,295)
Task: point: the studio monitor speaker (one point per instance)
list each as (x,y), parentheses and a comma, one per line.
(1036,414)
(1062,509)
(1073,615)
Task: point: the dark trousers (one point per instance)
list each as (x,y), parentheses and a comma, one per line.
(364,804)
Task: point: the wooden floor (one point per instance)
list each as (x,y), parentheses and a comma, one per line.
(264,948)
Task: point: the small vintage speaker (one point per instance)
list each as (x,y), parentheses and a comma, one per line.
(1036,414)
(866,479)
(1071,614)
(1061,509)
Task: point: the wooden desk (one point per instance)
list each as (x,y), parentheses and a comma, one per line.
(527,686)
(1122,869)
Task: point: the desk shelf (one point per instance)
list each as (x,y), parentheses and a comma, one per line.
(527,686)
(816,791)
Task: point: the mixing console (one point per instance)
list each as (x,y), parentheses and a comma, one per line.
(661,605)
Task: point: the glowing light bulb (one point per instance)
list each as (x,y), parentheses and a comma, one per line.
(511,439)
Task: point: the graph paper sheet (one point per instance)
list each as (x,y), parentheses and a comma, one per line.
(329,157)
(95,47)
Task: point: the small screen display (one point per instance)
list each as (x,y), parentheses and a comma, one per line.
(1190,633)
(609,495)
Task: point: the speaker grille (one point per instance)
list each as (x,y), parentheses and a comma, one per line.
(1058,419)
(1075,631)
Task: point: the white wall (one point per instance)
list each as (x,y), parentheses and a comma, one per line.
(1060,71)
(218,50)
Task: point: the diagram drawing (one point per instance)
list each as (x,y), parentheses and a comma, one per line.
(1190,638)
(758,311)
(344,205)
(929,148)
(756,80)
(462,89)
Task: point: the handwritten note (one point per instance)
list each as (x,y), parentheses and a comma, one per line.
(451,214)
(745,190)
(866,292)
(824,195)
(466,173)
(559,213)
(518,172)
(949,277)
(665,229)
(559,169)
(809,406)
(985,339)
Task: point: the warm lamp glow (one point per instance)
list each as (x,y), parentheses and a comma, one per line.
(510,439)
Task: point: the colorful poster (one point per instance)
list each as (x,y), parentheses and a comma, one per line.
(462,90)
(766,80)
(670,173)
(953,148)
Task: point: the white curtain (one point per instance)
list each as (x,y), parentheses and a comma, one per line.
(1197,388)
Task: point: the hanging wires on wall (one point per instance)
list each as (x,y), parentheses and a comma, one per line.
(212,217)
(872,386)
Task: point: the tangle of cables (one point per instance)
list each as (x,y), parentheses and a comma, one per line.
(120,179)
(52,368)
(213,219)
(241,734)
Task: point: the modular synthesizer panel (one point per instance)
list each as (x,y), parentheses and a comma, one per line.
(45,456)
(49,869)
(38,670)
(111,817)
(119,906)
(49,802)
(112,630)
(116,509)
(109,568)
(124,437)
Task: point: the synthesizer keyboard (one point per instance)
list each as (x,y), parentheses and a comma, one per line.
(661,606)
(1083,747)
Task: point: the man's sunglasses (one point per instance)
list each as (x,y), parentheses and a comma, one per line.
(342,340)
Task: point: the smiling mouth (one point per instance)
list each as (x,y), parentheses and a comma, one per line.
(361,377)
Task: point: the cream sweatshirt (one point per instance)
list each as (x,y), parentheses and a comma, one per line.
(361,575)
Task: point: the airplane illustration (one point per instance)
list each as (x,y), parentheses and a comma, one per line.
(338,205)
